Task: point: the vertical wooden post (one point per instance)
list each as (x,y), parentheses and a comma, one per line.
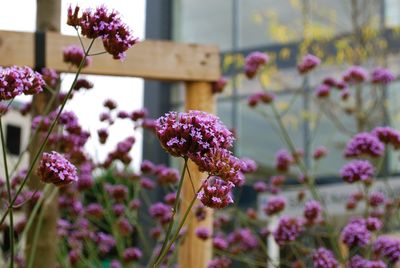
(48,19)
(194,252)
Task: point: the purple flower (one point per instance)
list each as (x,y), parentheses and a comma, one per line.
(115,264)
(289,228)
(388,248)
(124,227)
(132,254)
(147,183)
(74,55)
(355,74)
(54,168)
(376,198)
(161,211)
(262,96)
(220,243)
(312,210)
(219,85)
(253,62)
(356,234)
(166,175)
(283,159)
(95,210)
(110,104)
(192,133)
(323,258)
(364,144)
(320,152)
(308,63)
(275,205)
(260,186)
(147,166)
(248,165)
(359,262)
(103,135)
(387,135)
(222,262)
(243,240)
(17,80)
(170,198)
(221,163)
(357,170)
(373,224)
(105,242)
(139,114)
(50,77)
(381,76)
(83,83)
(322,91)
(203,233)
(216,193)
(116,36)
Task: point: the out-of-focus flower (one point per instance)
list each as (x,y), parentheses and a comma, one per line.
(387,135)
(364,144)
(254,62)
(357,170)
(203,233)
(262,96)
(308,63)
(74,55)
(312,210)
(381,76)
(289,228)
(219,85)
(275,205)
(324,258)
(356,234)
(387,247)
(320,152)
(283,159)
(359,262)
(322,91)
(355,74)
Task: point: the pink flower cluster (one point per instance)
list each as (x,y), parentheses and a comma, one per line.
(254,62)
(74,55)
(116,36)
(54,168)
(15,81)
(308,63)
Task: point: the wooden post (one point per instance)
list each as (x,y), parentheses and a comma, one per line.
(48,19)
(194,252)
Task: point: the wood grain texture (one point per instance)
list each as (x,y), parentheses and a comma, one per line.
(158,60)
(194,252)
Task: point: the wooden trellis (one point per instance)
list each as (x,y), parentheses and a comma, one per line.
(195,65)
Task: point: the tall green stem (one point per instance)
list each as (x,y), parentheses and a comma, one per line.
(171,224)
(11,229)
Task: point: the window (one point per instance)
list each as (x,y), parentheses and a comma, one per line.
(13,139)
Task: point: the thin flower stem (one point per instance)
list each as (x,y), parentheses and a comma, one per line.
(80,39)
(176,204)
(11,229)
(8,107)
(35,159)
(190,177)
(161,258)
(38,228)
(98,53)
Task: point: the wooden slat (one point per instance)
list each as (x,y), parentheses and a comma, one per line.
(17,48)
(194,252)
(158,60)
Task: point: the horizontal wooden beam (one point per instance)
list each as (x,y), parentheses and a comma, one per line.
(158,60)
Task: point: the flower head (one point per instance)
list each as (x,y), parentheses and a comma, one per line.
(283,159)
(192,133)
(100,22)
(364,144)
(54,168)
(203,233)
(387,135)
(357,170)
(312,210)
(324,258)
(262,96)
(253,62)
(289,228)
(74,56)
(275,205)
(356,234)
(388,248)
(216,193)
(381,76)
(359,262)
(355,74)
(16,80)
(308,63)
